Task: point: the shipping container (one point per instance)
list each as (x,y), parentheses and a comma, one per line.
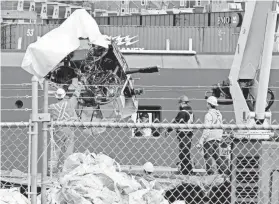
(9,5)
(153,37)
(189,19)
(124,20)
(62,11)
(226,19)
(219,39)
(50,8)
(102,20)
(8,37)
(204,39)
(157,20)
(29,33)
(38,7)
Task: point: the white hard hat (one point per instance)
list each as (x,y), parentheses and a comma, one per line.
(148,167)
(60,93)
(212,100)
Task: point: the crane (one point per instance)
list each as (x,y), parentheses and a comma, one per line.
(247,90)
(247,85)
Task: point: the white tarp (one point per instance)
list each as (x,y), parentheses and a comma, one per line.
(90,178)
(12,196)
(42,56)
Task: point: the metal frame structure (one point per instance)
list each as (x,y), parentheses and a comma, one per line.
(253,55)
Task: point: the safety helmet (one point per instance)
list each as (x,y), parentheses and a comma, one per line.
(148,167)
(60,93)
(184,99)
(212,100)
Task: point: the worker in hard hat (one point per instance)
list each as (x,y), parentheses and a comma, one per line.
(63,110)
(210,139)
(184,116)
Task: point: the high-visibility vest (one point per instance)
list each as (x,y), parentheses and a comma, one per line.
(217,118)
(214,134)
(190,121)
(60,113)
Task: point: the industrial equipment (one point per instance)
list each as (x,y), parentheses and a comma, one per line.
(247,90)
(247,85)
(103,72)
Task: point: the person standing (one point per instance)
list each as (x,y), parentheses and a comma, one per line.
(184,116)
(63,110)
(210,139)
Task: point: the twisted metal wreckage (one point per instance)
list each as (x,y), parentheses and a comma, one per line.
(77,50)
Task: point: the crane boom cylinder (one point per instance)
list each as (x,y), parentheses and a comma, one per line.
(265,66)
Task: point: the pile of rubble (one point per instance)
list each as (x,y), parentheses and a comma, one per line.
(93,179)
(12,196)
(97,179)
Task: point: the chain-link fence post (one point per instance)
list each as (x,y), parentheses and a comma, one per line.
(34,152)
(29,158)
(45,129)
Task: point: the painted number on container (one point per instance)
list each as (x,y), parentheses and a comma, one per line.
(224,20)
(30,32)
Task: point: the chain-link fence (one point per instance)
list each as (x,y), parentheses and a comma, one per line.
(242,166)
(15,151)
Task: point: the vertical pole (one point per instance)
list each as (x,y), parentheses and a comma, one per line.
(19,42)
(167,44)
(265,66)
(29,157)
(11,37)
(34,152)
(44,167)
(51,150)
(190,44)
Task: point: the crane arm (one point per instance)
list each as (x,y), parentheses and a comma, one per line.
(247,84)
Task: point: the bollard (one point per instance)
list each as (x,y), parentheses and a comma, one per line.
(190,44)
(167,44)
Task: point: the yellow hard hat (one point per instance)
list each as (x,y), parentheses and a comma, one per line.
(183,99)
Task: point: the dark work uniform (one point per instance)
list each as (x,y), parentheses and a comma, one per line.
(184,116)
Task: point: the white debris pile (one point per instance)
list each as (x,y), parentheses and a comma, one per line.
(12,196)
(92,179)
